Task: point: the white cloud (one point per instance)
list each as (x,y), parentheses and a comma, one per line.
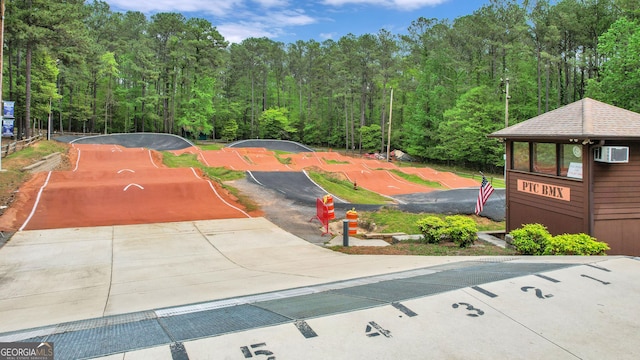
(217,7)
(327,36)
(236,32)
(269,25)
(235,20)
(272,3)
(404,5)
(287,18)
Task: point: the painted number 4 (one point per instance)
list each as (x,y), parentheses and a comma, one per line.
(373,330)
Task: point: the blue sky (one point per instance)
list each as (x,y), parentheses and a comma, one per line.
(289,20)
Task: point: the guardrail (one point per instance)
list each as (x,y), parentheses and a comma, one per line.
(18,145)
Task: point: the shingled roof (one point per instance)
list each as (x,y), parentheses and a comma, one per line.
(584,119)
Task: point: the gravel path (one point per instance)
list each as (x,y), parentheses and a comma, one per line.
(289,215)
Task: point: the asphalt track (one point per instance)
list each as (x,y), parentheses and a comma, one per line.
(298,187)
(154,141)
(294,185)
(456,201)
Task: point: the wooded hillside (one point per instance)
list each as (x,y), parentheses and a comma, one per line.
(97,70)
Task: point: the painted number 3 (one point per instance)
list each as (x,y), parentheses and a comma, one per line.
(470,308)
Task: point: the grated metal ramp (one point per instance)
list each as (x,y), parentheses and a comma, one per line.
(122,333)
(104,340)
(316,305)
(219,321)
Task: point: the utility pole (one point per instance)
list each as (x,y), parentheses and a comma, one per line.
(506,104)
(506,121)
(389,132)
(49,124)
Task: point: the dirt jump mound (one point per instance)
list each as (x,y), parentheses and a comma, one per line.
(282,145)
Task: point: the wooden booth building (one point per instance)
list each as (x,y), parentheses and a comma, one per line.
(576,169)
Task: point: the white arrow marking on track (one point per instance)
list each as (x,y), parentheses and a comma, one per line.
(123,170)
(130,185)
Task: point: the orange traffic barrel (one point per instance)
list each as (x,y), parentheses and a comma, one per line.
(328,200)
(352,216)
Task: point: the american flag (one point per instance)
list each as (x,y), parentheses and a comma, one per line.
(483,195)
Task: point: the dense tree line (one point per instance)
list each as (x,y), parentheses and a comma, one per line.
(95,70)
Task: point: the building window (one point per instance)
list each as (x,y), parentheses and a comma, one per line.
(571,161)
(547,158)
(520,156)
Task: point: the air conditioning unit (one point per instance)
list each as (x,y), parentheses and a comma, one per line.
(611,154)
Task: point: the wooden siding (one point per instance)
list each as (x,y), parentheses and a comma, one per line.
(623,236)
(616,188)
(616,202)
(557,215)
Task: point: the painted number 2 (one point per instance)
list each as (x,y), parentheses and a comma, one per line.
(538,292)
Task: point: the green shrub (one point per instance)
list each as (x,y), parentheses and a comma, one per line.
(531,239)
(431,228)
(575,244)
(462,230)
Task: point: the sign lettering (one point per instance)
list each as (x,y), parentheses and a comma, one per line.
(546,190)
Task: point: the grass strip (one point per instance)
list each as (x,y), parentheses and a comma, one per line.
(344,189)
(390,220)
(417,249)
(218,174)
(418,180)
(191,160)
(12,175)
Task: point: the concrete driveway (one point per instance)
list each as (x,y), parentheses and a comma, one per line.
(243,288)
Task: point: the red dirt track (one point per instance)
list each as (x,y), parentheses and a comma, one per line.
(113,185)
(369,174)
